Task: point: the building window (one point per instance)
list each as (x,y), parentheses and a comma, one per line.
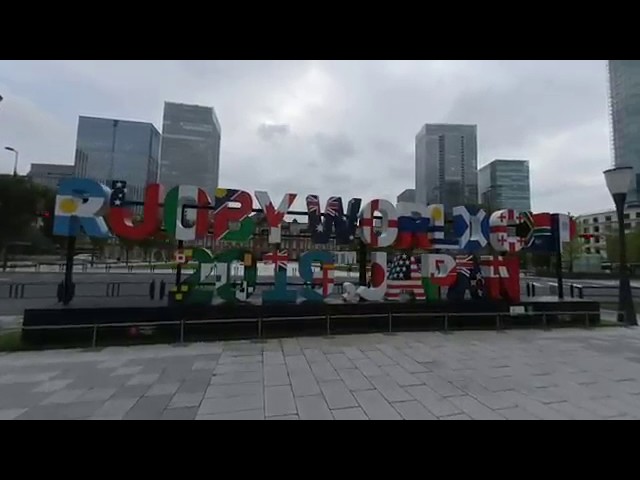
(598,251)
(627,226)
(607,218)
(596,239)
(626,216)
(585,230)
(595,219)
(587,250)
(637,214)
(596,229)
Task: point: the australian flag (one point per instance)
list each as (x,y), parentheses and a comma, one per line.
(118,193)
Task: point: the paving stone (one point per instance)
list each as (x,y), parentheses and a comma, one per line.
(436,404)
(148,408)
(314,355)
(236,390)
(380,359)
(52,386)
(180,400)
(279,401)
(162,389)
(239,367)
(207,365)
(573,412)
(115,409)
(313,408)
(401,376)
(230,404)
(349,414)
(303,383)
(97,394)
(337,395)
(11,413)
(340,360)
(439,384)
(475,409)
(257,414)
(273,358)
(127,371)
(276,375)
(460,416)
(187,413)
(368,368)
(64,396)
(413,410)
(297,363)
(237,377)
(375,406)
(354,379)
(390,389)
(143,379)
(67,411)
(284,417)
(517,413)
(324,371)
(354,353)
(130,391)
(535,407)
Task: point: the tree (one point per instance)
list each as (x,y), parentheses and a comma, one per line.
(21,201)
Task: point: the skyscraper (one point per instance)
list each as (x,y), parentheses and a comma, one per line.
(110,149)
(407,196)
(505,184)
(624,111)
(190,146)
(447,165)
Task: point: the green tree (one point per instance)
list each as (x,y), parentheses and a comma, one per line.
(20,203)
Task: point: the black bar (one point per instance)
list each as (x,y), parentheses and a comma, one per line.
(362,263)
(179,266)
(67,295)
(558,258)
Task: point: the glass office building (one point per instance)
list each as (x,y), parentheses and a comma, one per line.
(447,165)
(190,146)
(505,184)
(624,112)
(109,149)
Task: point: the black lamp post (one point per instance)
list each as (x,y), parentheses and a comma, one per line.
(618,182)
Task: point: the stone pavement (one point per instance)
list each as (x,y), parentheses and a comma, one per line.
(561,374)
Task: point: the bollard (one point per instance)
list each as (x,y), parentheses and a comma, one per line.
(533,289)
(260,326)
(571,290)
(580,293)
(328,325)
(390,316)
(544,321)
(94,340)
(60,292)
(182,331)
(152,289)
(446,323)
(528,289)
(163,287)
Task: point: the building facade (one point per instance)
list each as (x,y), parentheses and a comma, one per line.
(505,184)
(49,174)
(624,113)
(597,226)
(408,196)
(447,165)
(110,149)
(190,146)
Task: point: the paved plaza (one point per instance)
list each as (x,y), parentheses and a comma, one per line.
(560,374)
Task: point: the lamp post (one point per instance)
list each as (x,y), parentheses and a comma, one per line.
(15,162)
(618,182)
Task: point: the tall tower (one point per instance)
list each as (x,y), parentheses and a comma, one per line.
(447,165)
(190,153)
(624,116)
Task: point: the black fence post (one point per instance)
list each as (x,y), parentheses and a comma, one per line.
(362,263)
(163,287)
(68,289)
(152,290)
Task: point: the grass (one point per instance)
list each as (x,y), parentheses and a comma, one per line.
(11,341)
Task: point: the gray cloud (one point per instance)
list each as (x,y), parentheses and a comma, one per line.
(311,116)
(269,132)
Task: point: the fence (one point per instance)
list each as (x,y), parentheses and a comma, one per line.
(501,322)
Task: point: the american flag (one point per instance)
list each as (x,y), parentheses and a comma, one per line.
(118,193)
(404,276)
(279,258)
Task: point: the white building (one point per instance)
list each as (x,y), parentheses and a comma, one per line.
(602,224)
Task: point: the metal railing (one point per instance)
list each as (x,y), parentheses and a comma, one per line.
(260,322)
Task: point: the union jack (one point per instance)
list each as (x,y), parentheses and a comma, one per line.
(279,259)
(333,207)
(465,265)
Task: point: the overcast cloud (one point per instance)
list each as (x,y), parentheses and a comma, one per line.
(333,127)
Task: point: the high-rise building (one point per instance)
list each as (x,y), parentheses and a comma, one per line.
(407,196)
(505,184)
(190,146)
(49,174)
(624,111)
(109,149)
(447,165)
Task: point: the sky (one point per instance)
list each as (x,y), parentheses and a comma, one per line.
(344,127)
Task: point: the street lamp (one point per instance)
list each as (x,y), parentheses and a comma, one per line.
(15,162)
(618,182)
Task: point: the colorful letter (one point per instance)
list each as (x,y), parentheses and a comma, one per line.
(174,203)
(81,202)
(413,226)
(435,213)
(275,217)
(231,222)
(502,227)
(325,278)
(226,288)
(502,277)
(387,227)
(439,269)
(378,281)
(280,293)
(334,219)
(471,226)
(121,218)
